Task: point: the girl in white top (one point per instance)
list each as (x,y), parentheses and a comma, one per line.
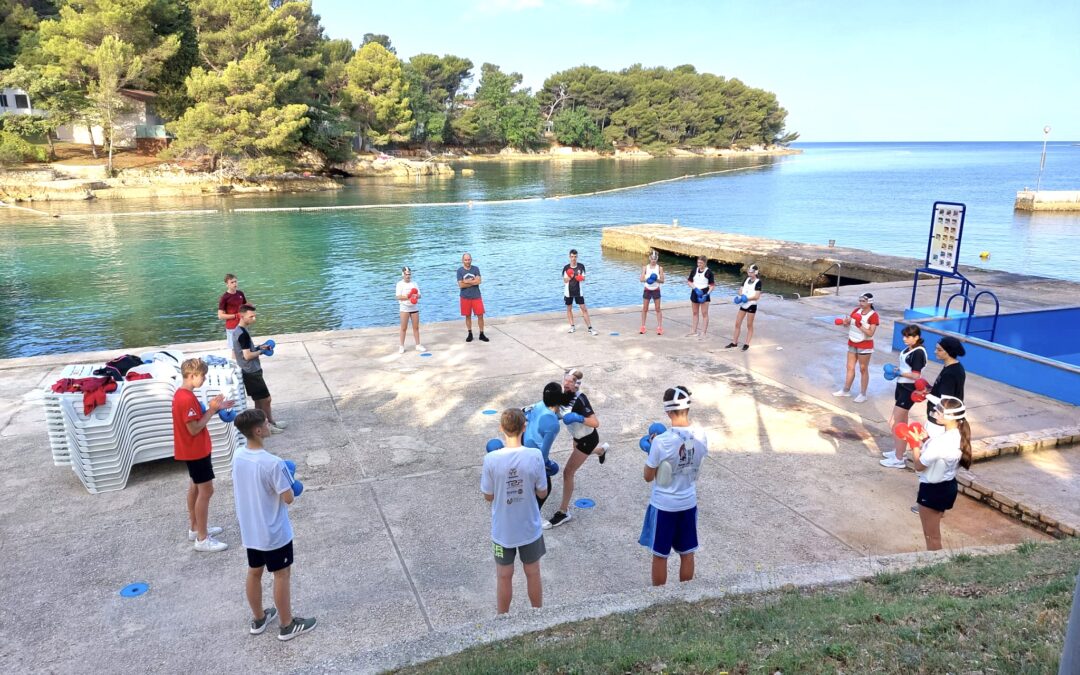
(937,462)
(910,364)
(751,290)
(652,275)
(408,297)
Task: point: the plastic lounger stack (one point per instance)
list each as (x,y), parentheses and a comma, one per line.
(135,423)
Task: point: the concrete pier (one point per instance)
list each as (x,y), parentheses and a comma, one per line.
(1047,200)
(796,263)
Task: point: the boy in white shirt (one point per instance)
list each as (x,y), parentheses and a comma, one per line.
(675,458)
(263,487)
(512,479)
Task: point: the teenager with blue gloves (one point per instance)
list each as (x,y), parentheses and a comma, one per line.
(581,422)
(541,428)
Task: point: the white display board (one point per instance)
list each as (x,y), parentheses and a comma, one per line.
(946,228)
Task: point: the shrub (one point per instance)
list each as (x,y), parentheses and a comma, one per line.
(15,150)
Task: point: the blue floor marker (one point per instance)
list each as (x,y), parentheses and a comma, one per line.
(489,411)
(584,503)
(134,590)
(425,354)
(612,333)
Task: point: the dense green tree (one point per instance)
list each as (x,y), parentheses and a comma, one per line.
(502,114)
(236,115)
(574,126)
(380,39)
(434,86)
(375,91)
(16,21)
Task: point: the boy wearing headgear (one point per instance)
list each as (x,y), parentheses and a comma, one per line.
(671,519)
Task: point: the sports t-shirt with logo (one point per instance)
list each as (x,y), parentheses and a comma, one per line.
(857,338)
(581,406)
(685,449)
(941,457)
(749,287)
(230,304)
(244,341)
(403,288)
(541,428)
(571,286)
(513,475)
(470,292)
(186,408)
(259,480)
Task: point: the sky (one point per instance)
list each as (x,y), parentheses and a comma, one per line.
(870,70)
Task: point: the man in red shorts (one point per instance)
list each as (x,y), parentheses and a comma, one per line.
(468,280)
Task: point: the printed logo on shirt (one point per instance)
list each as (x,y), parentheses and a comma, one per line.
(191,412)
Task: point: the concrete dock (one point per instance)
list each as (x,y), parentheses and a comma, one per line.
(392,548)
(1047,200)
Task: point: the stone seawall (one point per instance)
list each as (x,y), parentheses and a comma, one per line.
(1047,200)
(802,264)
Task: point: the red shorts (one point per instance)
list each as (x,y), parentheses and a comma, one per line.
(472,306)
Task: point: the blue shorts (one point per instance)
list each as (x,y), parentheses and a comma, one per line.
(663,531)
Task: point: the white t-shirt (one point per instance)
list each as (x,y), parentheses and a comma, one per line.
(403,288)
(649,271)
(685,448)
(941,457)
(259,479)
(514,475)
(749,287)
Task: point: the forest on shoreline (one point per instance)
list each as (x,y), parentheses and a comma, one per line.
(251,87)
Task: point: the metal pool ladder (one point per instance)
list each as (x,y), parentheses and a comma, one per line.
(823,273)
(970,318)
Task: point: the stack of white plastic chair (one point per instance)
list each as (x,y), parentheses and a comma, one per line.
(135,423)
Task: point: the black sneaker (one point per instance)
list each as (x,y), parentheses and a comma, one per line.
(603,457)
(468,338)
(730,345)
(257,627)
(483,338)
(745,347)
(556,520)
(295,628)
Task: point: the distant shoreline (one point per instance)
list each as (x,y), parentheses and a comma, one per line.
(568,154)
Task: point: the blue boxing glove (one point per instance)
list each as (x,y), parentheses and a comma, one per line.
(493,445)
(645,443)
(740,299)
(297,488)
(268,348)
(572,418)
(227,415)
(552,467)
(656,428)
(651,279)
(891,371)
(290,466)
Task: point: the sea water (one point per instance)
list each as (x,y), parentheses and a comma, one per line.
(109,279)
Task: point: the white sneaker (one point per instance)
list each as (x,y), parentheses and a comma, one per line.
(274,429)
(572,328)
(211,531)
(401,349)
(861,398)
(841,392)
(592,331)
(893,463)
(888,454)
(281,425)
(210,545)
(420,348)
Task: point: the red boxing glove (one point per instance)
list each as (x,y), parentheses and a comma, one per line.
(918,396)
(921,385)
(916,435)
(580,277)
(901,430)
(839,321)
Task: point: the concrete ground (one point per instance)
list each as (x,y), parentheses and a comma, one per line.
(392,533)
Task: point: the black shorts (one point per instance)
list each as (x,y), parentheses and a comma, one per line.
(752,309)
(200,470)
(587,444)
(255,385)
(530,553)
(651,294)
(903,396)
(571,299)
(694,298)
(937,496)
(275,560)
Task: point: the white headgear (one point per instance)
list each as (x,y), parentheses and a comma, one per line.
(681,401)
(947,413)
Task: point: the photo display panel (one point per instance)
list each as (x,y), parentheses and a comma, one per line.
(946,228)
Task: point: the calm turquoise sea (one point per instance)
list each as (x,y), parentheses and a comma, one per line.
(109,280)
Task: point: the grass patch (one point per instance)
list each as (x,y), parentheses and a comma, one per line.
(1005,613)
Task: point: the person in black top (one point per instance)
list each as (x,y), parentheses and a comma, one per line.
(572,276)
(950,381)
